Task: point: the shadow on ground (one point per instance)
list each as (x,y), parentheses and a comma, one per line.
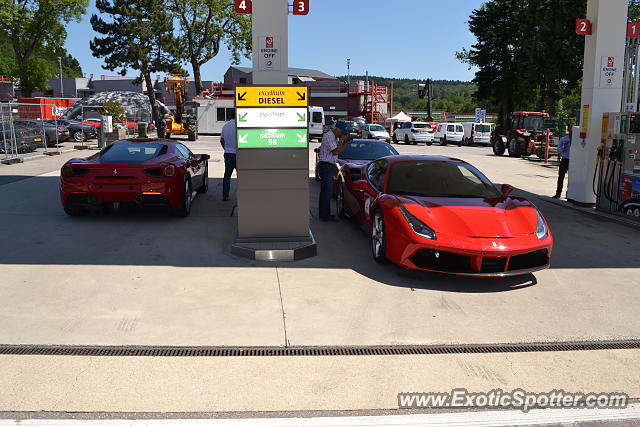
(35,230)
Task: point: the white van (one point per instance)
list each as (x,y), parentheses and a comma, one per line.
(316,123)
(449,132)
(477,133)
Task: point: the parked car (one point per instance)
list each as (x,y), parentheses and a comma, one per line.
(78,131)
(316,123)
(375,132)
(154,173)
(26,139)
(477,133)
(96,123)
(414,132)
(52,133)
(449,132)
(441,214)
(349,128)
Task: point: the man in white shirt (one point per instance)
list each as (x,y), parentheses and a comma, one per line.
(330,148)
(229,143)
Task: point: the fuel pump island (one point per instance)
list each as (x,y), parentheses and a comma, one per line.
(617,175)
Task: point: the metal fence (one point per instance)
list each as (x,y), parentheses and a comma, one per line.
(29,129)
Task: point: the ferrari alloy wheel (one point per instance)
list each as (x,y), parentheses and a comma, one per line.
(378,237)
(205,180)
(340,200)
(78,136)
(185,209)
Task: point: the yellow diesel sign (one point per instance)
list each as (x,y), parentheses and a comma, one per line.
(271,96)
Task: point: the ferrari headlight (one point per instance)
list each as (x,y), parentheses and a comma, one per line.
(419,227)
(541,228)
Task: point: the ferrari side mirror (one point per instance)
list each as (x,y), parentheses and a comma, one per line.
(205,156)
(506,189)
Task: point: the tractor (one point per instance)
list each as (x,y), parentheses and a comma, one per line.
(184,120)
(524,136)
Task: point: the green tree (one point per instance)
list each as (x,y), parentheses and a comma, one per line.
(139,35)
(34,28)
(204,25)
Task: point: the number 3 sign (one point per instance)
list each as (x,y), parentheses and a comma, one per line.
(300,7)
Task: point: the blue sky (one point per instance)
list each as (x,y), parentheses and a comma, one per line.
(401,38)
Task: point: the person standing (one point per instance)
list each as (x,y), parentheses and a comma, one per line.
(564,149)
(230,145)
(332,145)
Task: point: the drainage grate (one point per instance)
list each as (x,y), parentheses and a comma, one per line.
(54,350)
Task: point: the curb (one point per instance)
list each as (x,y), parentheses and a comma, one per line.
(592,212)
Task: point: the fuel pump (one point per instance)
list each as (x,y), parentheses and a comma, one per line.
(618,165)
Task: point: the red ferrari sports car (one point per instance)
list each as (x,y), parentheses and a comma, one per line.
(130,172)
(441,214)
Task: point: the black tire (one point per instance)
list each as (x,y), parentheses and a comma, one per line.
(498,147)
(406,140)
(192,133)
(460,143)
(167,135)
(340,200)
(394,138)
(79,136)
(185,209)
(515,147)
(378,238)
(205,180)
(443,141)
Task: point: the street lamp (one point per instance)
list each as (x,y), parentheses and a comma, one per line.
(348,73)
(60,63)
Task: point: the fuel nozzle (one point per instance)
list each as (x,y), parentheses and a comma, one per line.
(602,148)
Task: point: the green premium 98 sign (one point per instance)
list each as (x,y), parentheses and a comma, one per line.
(262,124)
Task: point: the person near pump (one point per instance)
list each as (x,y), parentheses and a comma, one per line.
(564,148)
(333,143)
(230,145)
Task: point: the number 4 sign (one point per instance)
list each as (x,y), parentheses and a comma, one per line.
(300,7)
(243,6)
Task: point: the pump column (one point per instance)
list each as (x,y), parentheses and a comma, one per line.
(601,91)
(273,148)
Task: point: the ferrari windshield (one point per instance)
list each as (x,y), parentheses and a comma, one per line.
(439,179)
(132,153)
(359,150)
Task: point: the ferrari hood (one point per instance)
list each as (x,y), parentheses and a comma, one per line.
(474,217)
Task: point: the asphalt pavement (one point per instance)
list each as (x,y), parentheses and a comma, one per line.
(150,279)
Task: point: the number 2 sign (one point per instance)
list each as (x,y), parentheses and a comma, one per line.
(300,7)
(243,6)
(583,27)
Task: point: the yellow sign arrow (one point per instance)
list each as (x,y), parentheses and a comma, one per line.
(272,96)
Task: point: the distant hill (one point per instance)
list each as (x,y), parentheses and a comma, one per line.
(449,95)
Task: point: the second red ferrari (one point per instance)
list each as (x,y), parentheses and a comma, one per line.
(441,214)
(134,172)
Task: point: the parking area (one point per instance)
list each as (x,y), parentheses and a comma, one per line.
(150,279)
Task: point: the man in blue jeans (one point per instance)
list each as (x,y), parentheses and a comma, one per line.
(229,143)
(332,145)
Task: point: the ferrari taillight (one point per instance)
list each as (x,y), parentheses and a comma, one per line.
(75,172)
(169,170)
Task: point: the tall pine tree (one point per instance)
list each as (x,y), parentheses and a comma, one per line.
(139,35)
(204,26)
